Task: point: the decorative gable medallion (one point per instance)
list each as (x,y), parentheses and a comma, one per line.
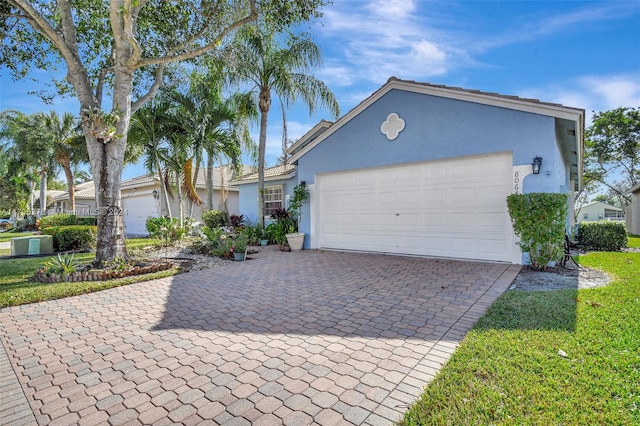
(392,126)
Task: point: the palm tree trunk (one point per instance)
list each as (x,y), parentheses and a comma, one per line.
(265,103)
(66,166)
(180,206)
(32,186)
(209,181)
(43,192)
(223,192)
(195,185)
(164,193)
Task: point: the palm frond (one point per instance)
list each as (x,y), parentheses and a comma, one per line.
(187,186)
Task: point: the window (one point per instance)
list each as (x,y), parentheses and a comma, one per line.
(272,199)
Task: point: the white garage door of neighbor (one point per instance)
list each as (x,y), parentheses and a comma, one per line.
(136,211)
(451,208)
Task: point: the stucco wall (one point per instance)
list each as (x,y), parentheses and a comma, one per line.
(633,214)
(248,200)
(232,203)
(438,128)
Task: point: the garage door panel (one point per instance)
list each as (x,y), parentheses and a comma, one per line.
(453,208)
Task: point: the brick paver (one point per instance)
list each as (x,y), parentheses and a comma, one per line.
(308,337)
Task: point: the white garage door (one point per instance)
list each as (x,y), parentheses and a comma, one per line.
(454,208)
(136,211)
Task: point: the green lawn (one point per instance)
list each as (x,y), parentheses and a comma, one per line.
(508,369)
(7,236)
(16,287)
(634,241)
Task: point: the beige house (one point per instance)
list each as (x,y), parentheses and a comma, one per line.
(85,200)
(141,199)
(633,211)
(599,211)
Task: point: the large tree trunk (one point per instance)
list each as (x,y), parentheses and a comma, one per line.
(265,104)
(106,154)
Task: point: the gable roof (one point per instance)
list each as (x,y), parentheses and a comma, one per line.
(283,171)
(310,136)
(569,120)
(87,189)
(82,190)
(604,205)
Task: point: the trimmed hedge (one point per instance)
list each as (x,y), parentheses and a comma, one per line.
(215,218)
(57,220)
(73,237)
(66,220)
(602,236)
(539,220)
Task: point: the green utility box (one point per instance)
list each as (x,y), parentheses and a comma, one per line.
(33,244)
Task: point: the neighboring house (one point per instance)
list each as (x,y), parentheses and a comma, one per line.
(599,211)
(633,211)
(85,200)
(422,169)
(141,199)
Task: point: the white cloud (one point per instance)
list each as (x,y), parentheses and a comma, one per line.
(533,27)
(592,92)
(383,38)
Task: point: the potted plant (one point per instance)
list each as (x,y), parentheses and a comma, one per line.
(239,247)
(295,238)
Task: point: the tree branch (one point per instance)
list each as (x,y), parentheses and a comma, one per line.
(157,84)
(76,73)
(171,57)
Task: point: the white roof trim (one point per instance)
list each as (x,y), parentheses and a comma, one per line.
(496,100)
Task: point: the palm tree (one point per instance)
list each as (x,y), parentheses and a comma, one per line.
(148,132)
(68,144)
(46,142)
(282,68)
(215,125)
(33,146)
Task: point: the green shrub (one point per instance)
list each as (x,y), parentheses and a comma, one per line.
(254,233)
(276,231)
(166,229)
(539,220)
(74,237)
(57,220)
(63,264)
(91,221)
(215,218)
(29,223)
(66,220)
(602,236)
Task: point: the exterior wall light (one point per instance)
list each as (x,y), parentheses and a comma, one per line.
(535,166)
(155,194)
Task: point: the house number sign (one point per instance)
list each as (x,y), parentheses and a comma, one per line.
(519,173)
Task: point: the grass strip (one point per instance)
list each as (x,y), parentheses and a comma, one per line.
(508,369)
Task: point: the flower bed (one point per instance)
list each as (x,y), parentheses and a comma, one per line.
(99,275)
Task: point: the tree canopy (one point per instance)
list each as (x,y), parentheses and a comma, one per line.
(612,156)
(120,51)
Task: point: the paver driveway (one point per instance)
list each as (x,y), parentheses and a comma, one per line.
(285,338)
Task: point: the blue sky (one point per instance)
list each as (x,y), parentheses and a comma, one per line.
(583,54)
